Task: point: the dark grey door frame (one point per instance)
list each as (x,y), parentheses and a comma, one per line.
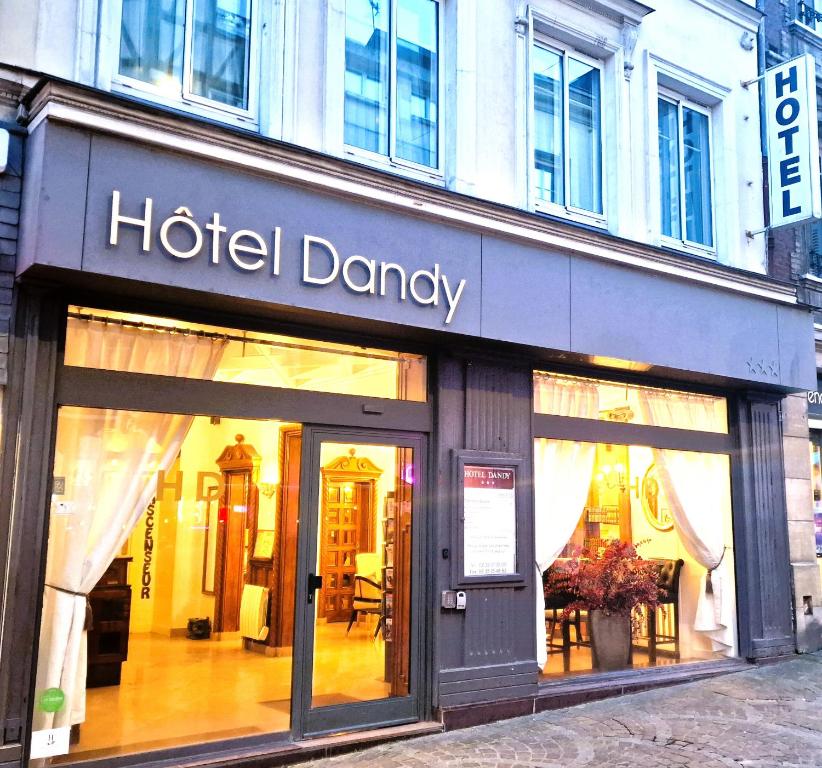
(382,712)
(28,439)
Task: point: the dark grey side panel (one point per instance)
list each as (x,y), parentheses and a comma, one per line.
(54,200)
(488,651)
(26,469)
(760,530)
(796,346)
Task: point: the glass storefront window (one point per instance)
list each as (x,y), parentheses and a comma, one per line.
(675,507)
(579,397)
(117,341)
(164,605)
(169,605)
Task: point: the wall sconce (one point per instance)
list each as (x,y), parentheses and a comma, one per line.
(615,476)
(268,489)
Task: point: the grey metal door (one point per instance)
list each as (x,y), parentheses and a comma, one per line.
(357,656)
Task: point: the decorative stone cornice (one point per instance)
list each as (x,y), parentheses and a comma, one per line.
(135,121)
(620,11)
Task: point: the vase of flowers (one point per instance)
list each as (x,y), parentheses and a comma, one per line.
(608,583)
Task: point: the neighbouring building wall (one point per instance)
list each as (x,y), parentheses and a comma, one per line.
(11,185)
(807,590)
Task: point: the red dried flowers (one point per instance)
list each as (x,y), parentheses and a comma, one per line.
(614,580)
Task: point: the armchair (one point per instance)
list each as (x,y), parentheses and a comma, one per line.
(368,593)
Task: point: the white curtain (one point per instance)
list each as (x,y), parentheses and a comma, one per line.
(562,477)
(697,488)
(109,460)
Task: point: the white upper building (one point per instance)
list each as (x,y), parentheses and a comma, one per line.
(615,114)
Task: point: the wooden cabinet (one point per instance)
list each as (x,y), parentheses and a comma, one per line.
(110,603)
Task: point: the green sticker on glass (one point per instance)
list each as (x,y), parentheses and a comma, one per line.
(51,700)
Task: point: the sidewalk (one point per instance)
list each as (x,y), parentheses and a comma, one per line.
(768,716)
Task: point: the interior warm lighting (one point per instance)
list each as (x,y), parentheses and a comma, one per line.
(616,362)
(583,397)
(249,357)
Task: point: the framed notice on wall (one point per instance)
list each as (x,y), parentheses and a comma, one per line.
(489,512)
(489,532)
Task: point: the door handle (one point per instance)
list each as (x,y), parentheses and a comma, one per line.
(314,583)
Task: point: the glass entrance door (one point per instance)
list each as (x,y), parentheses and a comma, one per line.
(359,546)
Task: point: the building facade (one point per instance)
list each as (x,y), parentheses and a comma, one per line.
(339,329)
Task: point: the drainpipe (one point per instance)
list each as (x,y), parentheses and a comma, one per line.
(760,70)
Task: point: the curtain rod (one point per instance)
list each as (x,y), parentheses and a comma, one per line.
(399,358)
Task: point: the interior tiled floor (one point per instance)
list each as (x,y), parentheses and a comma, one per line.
(177,691)
(580,657)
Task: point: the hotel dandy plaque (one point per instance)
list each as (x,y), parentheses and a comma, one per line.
(489,520)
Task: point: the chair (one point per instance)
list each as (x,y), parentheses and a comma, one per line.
(368,596)
(555,601)
(669,573)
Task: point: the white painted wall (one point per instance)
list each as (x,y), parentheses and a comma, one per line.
(485,79)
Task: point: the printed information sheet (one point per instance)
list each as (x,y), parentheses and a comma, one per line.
(490,521)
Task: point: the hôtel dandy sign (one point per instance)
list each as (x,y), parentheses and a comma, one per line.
(182,237)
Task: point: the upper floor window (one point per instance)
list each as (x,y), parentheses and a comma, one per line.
(685,172)
(197,50)
(808,12)
(392,79)
(567,128)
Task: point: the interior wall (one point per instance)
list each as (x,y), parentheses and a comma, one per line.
(180,524)
(200,450)
(165,529)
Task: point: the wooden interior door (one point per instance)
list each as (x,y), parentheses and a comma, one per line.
(236,524)
(231,553)
(347,526)
(341,517)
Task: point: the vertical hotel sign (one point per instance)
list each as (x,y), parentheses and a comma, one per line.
(793,142)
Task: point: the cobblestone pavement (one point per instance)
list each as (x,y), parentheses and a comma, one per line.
(766,716)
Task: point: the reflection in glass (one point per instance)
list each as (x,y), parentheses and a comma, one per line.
(549,162)
(151,42)
(366,74)
(584,136)
(669,180)
(417,65)
(698,217)
(221,41)
(361,631)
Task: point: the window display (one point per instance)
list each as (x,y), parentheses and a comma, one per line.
(596,500)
